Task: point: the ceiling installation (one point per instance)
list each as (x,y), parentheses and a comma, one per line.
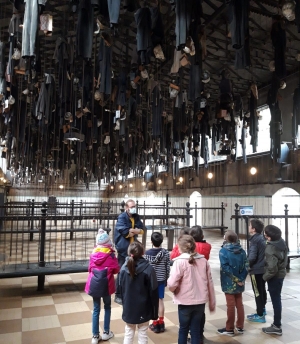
(93,90)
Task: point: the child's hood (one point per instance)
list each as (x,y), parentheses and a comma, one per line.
(235,248)
(99,257)
(187,256)
(140,265)
(279,244)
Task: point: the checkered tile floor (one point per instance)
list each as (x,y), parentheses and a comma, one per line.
(62,312)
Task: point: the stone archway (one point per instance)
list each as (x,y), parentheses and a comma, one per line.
(196,197)
(290,197)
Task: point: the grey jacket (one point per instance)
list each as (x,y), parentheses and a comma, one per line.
(256,254)
(276,259)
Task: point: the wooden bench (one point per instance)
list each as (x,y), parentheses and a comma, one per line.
(292,255)
(222,228)
(33,269)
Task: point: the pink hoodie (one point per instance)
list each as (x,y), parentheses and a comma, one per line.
(192,284)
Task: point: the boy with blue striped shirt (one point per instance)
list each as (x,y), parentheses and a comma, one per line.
(159,258)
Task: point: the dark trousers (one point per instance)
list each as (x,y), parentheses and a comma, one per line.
(274,287)
(260,294)
(189,318)
(121,261)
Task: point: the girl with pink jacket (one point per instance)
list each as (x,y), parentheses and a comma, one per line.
(100,283)
(192,286)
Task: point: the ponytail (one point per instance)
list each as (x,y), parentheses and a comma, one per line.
(192,260)
(135,252)
(131,265)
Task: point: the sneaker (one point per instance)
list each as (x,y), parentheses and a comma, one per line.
(107,335)
(155,328)
(223,331)
(118,300)
(239,330)
(162,327)
(258,319)
(264,311)
(96,339)
(151,327)
(272,330)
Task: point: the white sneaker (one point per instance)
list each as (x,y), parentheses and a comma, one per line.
(107,335)
(96,339)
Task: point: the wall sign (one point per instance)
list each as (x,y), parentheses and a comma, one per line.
(246,210)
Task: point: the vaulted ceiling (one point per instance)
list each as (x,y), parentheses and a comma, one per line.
(220,54)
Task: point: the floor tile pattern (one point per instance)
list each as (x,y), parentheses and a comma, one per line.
(62,312)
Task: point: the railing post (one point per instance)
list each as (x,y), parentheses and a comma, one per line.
(188,211)
(80,211)
(247,231)
(286,220)
(72,220)
(222,218)
(31,222)
(41,278)
(122,209)
(101,206)
(236,213)
(137,206)
(167,209)
(108,213)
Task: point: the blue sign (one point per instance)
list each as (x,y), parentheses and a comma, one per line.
(246,210)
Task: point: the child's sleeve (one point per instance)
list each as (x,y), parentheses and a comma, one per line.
(252,256)
(226,268)
(175,277)
(167,264)
(211,289)
(271,267)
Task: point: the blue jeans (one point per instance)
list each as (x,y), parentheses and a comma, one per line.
(274,287)
(189,319)
(96,313)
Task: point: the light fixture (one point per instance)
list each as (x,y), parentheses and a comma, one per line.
(61,186)
(121,186)
(180,179)
(112,187)
(159,181)
(130,185)
(143,183)
(210,175)
(253,170)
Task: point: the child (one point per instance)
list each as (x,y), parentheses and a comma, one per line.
(192,285)
(175,252)
(100,283)
(233,274)
(275,271)
(256,258)
(202,247)
(138,287)
(159,258)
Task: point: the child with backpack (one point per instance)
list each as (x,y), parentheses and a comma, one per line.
(100,283)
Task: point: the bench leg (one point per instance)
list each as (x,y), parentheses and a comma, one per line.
(288,264)
(170,240)
(41,282)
